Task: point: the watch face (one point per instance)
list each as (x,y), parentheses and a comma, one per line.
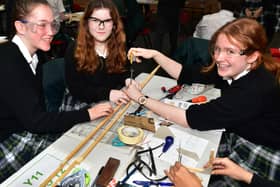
(142,100)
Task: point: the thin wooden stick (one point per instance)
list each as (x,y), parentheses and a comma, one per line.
(78,147)
(92,145)
(98,139)
(211,157)
(195,170)
(143,84)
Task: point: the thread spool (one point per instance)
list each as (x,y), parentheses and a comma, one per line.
(130,135)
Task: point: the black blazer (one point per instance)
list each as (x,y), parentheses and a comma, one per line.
(22,100)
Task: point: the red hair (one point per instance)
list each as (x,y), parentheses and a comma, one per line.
(252,37)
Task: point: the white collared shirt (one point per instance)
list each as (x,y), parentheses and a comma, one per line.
(99,53)
(31,60)
(243,73)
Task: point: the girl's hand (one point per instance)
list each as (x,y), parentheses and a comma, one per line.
(182,177)
(224,166)
(133,92)
(141,52)
(132,81)
(100,110)
(118,97)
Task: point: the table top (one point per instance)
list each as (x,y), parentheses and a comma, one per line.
(46,162)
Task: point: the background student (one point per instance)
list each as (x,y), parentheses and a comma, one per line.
(250,96)
(58,9)
(26,128)
(96,65)
(210,23)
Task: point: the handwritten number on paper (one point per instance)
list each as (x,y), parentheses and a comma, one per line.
(33,177)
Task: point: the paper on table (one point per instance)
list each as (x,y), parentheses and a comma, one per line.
(191,145)
(34,175)
(178,103)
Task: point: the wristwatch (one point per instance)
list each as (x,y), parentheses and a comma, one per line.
(142,99)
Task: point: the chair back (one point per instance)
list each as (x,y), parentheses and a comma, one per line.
(53,83)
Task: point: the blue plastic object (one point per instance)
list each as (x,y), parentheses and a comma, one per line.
(117,142)
(150,183)
(169,140)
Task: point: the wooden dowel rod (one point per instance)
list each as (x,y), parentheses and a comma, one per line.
(108,127)
(211,156)
(92,145)
(84,155)
(78,147)
(195,170)
(143,84)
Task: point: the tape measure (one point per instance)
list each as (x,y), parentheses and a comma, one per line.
(130,135)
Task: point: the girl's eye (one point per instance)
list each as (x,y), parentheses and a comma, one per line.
(230,51)
(42,25)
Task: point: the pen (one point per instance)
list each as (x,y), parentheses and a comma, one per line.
(148,183)
(127,176)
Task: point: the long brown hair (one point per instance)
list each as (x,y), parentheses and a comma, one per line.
(85,54)
(251,35)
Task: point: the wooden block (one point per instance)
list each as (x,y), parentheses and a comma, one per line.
(140,122)
(107,172)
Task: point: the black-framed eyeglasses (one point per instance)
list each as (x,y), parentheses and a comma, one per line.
(43,25)
(145,164)
(99,22)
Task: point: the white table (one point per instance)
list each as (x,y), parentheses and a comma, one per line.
(38,169)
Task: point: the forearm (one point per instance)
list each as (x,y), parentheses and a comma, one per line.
(168,112)
(172,67)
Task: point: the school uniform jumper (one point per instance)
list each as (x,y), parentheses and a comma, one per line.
(249,111)
(91,87)
(24,121)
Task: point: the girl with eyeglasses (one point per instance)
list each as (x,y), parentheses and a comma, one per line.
(96,64)
(26,127)
(250,96)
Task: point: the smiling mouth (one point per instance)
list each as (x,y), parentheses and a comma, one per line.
(221,65)
(48,40)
